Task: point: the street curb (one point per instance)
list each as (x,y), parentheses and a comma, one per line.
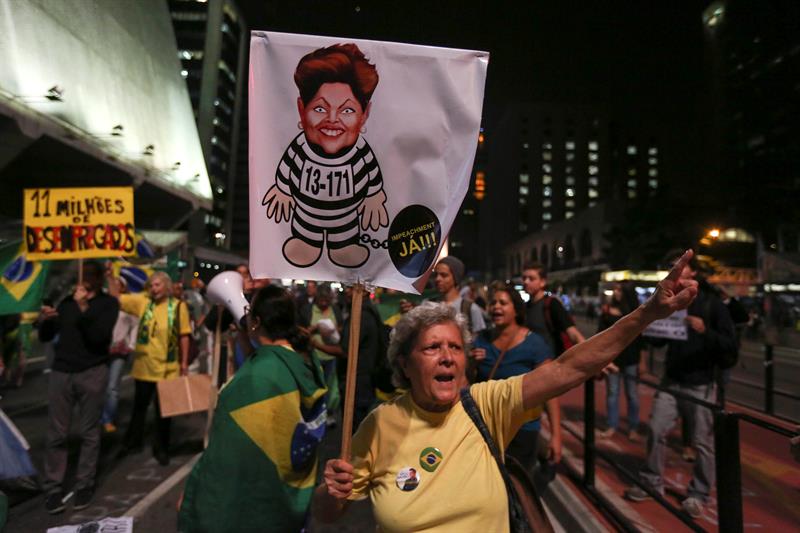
(157,493)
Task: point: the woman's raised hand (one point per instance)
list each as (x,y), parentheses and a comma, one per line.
(338,477)
(673,293)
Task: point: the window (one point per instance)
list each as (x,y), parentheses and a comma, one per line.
(631,171)
(569,145)
(545,225)
(568,169)
(653,172)
(523,190)
(547,191)
(547,203)
(570,203)
(631,193)
(592,203)
(593,181)
(652,161)
(525,146)
(523,226)
(523,200)
(653,184)
(570,180)
(547,179)
(547,146)
(570,156)
(570,192)
(593,169)
(547,216)
(593,156)
(569,214)
(593,193)
(631,149)
(524,179)
(632,184)
(592,146)
(652,151)
(468,212)
(547,156)
(547,168)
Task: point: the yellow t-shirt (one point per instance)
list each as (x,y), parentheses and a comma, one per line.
(150,359)
(465,491)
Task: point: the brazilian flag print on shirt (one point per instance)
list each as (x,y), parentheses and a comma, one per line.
(259,470)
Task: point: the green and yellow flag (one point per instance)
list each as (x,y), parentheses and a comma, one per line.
(259,470)
(21,282)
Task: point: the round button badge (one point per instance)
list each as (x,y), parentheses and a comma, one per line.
(430,458)
(407,479)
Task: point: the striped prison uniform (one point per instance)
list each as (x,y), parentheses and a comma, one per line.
(327,191)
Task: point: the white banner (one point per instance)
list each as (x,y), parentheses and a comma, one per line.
(361,153)
(673,327)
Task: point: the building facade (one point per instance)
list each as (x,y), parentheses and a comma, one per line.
(548,163)
(213,40)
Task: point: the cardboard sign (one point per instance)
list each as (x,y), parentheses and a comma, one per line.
(361,153)
(184,395)
(673,327)
(78,223)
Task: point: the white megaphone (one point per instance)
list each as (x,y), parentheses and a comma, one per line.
(226,289)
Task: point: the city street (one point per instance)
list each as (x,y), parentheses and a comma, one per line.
(138,485)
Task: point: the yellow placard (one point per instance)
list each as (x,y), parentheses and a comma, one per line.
(78,222)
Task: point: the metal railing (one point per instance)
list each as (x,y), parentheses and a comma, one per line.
(727,462)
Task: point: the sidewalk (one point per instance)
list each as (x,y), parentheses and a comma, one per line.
(770,477)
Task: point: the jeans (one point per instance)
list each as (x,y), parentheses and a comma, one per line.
(85,389)
(112,392)
(666,409)
(630,373)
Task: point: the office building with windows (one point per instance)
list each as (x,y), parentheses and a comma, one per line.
(212,41)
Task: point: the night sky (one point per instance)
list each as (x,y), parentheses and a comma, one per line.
(640,62)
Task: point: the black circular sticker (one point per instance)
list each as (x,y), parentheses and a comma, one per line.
(414,238)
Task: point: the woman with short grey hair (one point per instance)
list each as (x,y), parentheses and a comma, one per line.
(422,460)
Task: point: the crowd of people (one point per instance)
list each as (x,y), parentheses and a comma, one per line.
(285,383)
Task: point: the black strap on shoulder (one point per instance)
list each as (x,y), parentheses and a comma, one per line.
(516,515)
(475,414)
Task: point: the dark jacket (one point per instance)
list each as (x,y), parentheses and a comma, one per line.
(692,362)
(84,338)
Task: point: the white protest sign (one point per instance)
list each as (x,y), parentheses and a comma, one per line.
(361,153)
(123,524)
(673,327)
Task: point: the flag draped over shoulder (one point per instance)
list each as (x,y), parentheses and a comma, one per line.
(21,281)
(259,469)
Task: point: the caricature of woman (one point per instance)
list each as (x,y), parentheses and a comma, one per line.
(329,174)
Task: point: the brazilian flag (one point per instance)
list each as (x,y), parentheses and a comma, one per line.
(260,467)
(21,282)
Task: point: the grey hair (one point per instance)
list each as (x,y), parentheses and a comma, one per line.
(408,328)
(164,277)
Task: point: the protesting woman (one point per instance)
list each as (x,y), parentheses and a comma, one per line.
(259,469)
(456,483)
(510,349)
(162,352)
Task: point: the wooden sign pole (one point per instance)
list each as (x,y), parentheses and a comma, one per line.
(80,271)
(352,365)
